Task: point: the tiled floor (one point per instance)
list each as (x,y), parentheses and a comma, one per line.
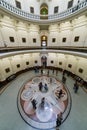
(46,104)
(10,118)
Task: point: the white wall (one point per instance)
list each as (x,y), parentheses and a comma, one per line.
(12,62)
(34,33)
(72,60)
(8,30)
(37,3)
(65,32)
(53,33)
(62,6)
(69,30)
(27,58)
(4,64)
(79,29)
(15,60)
(22,32)
(25,5)
(20,29)
(51,57)
(82,63)
(1,39)
(36,57)
(61,58)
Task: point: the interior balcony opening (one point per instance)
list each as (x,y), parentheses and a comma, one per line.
(44,61)
(44,11)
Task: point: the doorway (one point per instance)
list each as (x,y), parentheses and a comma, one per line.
(44,61)
(43,41)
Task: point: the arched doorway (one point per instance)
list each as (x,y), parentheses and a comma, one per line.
(44,61)
(44,11)
(44,41)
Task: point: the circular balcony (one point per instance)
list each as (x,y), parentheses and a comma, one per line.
(43,19)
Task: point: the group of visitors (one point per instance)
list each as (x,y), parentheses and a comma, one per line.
(36,69)
(48,72)
(43,88)
(34,103)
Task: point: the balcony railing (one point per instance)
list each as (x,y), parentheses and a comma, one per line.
(71,11)
(38,18)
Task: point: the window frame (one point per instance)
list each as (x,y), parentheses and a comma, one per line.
(18,4)
(56,8)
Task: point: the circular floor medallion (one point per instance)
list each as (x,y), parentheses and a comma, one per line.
(39,114)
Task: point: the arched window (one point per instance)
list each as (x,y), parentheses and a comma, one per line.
(44,11)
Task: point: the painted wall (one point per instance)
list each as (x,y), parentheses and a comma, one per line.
(25,5)
(12,62)
(19,29)
(4,64)
(69,30)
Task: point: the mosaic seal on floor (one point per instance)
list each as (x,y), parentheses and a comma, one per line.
(41,99)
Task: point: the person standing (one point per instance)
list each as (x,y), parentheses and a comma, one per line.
(48,73)
(41,71)
(60,93)
(50,80)
(59,119)
(34,103)
(63,79)
(53,70)
(40,86)
(76,87)
(42,102)
(46,87)
(56,72)
(63,72)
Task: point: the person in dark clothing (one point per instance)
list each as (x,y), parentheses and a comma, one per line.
(76,87)
(64,79)
(64,72)
(41,71)
(42,102)
(40,86)
(56,72)
(34,103)
(46,88)
(59,119)
(60,93)
(50,80)
(53,70)
(48,73)
(35,68)
(78,1)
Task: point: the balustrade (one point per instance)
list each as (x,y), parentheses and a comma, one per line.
(82,6)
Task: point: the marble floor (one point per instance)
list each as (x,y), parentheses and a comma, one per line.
(10,118)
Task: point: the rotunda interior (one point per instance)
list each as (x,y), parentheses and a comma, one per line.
(43,64)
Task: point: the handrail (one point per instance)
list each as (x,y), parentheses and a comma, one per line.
(66,48)
(80,7)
